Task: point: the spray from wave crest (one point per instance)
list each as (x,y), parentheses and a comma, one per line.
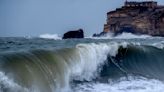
(8,85)
(122,36)
(56,71)
(50,36)
(91,56)
(57,68)
(131,36)
(159,45)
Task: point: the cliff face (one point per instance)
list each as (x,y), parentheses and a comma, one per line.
(136,17)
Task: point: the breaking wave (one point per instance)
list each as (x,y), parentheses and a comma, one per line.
(8,85)
(50,36)
(85,65)
(131,36)
(123,36)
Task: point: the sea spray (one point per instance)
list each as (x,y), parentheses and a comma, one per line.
(91,57)
(56,70)
(50,36)
(53,70)
(121,36)
(133,84)
(8,85)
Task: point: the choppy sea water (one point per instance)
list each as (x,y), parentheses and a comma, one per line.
(82,65)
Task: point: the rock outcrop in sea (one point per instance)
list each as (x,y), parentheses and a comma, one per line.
(136,17)
(74,34)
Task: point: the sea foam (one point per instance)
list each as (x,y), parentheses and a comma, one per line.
(50,36)
(140,84)
(122,36)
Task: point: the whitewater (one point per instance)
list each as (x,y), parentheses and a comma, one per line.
(47,63)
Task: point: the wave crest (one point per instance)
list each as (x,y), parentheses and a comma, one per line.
(123,36)
(50,36)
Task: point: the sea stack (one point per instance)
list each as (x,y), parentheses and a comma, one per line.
(136,17)
(74,34)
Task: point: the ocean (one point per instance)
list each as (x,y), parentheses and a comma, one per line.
(119,64)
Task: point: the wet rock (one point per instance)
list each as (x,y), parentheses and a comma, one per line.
(74,34)
(137,18)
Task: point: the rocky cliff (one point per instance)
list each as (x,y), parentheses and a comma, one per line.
(138,18)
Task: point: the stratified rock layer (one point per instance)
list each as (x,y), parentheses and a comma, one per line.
(136,17)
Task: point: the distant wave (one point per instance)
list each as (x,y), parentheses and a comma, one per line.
(131,36)
(123,36)
(50,36)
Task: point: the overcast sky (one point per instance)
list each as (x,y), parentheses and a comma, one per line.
(36,17)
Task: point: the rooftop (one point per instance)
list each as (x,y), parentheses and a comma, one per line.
(142,4)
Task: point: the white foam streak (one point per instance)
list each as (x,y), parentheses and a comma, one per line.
(131,85)
(91,57)
(159,45)
(50,36)
(123,36)
(131,36)
(80,63)
(8,85)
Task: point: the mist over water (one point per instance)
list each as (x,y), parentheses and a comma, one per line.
(50,36)
(81,65)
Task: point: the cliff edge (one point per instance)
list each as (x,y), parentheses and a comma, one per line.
(136,17)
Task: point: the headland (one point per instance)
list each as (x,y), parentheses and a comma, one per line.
(145,17)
